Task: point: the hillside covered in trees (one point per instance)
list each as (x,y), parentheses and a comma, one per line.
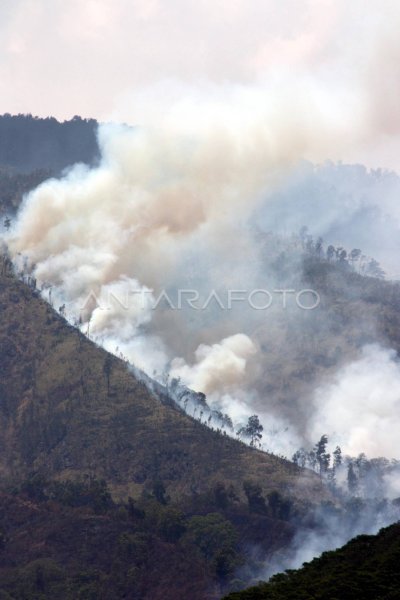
(367,567)
(34,149)
(29,143)
(70,414)
(86,444)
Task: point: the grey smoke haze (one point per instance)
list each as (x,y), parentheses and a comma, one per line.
(169,209)
(239,106)
(186,199)
(331,529)
(348,205)
(360,407)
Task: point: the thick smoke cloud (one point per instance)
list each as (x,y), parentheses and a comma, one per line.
(150,40)
(184,204)
(238,107)
(346,54)
(184,200)
(218,366)
(153,217)
(360,407)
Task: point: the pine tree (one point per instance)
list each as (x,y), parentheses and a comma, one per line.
(252,430)
(337,457)
(322,457)
(352,482)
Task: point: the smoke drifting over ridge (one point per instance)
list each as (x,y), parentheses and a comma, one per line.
(181,204)
(159,249)
(335,44)
(154,216)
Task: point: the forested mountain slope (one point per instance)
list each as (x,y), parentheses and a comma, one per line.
(108,490)
(64,412)
(75,423)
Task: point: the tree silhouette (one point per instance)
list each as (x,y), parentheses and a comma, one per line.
(323,458)
(352,482)
(107,368)
(337,457)
(252,430)
(330,252)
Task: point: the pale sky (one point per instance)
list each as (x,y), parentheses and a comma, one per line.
(64,57)
(92,57)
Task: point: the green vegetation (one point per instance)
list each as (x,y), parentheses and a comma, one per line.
(70,539)
(366,568)
(61,549)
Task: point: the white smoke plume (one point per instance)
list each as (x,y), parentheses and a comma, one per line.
(163,198)
(108,240)
(360,408)
(179,205)
(231,146)
(331,529)
(217,367)
(179,201)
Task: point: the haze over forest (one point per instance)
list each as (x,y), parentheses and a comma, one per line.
(200,296)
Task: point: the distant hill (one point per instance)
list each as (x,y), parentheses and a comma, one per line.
(366,568)
(13,187)
(34,149)
(29,143)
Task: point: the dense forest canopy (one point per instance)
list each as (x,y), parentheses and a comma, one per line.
(29,143)
(367,568)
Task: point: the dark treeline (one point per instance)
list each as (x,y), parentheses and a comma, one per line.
(29,143)
(367,567)
(353,260)
(350,475)
(13,187)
